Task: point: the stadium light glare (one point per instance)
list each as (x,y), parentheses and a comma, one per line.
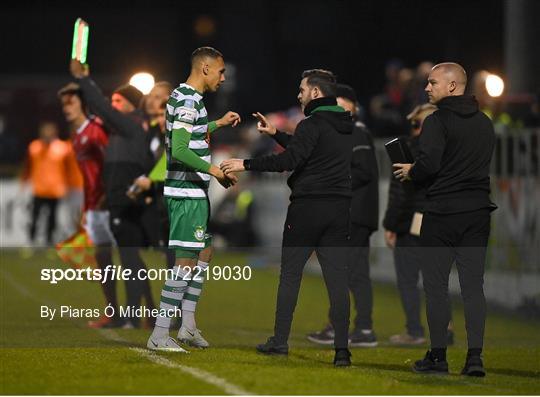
(143,81)
(494,85)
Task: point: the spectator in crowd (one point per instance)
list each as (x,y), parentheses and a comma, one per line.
(415,93)
(386,108)
(364,221)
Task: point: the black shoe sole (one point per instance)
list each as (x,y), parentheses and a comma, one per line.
(430,372)
(342,363)
(272,353)
(475,371)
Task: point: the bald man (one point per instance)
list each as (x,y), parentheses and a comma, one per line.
(456,145)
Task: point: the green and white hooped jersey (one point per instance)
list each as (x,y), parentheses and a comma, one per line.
(185,109)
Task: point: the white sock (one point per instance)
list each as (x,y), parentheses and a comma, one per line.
(191,297)
(160,332)
(171,298)
(188,319)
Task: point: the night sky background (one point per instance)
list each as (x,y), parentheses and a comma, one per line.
(269,43)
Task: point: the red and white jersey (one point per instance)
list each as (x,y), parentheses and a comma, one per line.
(89,143)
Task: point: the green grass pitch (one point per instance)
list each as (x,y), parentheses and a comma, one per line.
(39,356)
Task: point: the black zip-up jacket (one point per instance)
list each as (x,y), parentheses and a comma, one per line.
(456,145)
(365,179)
(127,155)
(404,199)
(319,152)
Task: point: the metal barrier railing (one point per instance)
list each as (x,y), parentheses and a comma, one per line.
(515,188)
(517,153)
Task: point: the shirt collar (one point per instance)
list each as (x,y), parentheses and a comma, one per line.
(83,126)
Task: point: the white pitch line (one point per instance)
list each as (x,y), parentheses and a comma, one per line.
(200,374)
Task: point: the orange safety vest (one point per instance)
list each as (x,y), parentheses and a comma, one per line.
(52,168)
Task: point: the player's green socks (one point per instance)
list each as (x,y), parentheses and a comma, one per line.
(191,297)
(171,297)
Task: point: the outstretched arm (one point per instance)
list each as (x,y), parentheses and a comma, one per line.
(98,104)
(297,152)
(229,118)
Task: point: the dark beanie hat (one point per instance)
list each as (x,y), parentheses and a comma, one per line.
(346,91)
(131,93)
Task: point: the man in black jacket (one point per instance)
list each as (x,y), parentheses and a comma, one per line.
(406,203)
(319,152)
(364,221)
(456,146)
(126,158)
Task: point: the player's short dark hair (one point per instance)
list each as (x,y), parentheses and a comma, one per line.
(70,89)
(325,80)
(347,92)
(73,89)
(204,52)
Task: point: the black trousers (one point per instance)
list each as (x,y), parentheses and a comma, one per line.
(461,238)
(129,232)
(38,204)
(155,222)
(359,280)
(320,225)
(407,255)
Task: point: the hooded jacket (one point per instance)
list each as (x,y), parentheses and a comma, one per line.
(319,152)
(456,146)
(126,156)
(364,179)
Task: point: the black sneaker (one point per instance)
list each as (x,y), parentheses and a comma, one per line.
(342,358)
(358,338)
(271,347)
(474,367)
(323,337)
(431,365)
(449,337)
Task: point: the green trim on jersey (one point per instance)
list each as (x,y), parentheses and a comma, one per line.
(187,148)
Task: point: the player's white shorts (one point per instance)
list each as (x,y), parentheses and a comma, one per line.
(97,227)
